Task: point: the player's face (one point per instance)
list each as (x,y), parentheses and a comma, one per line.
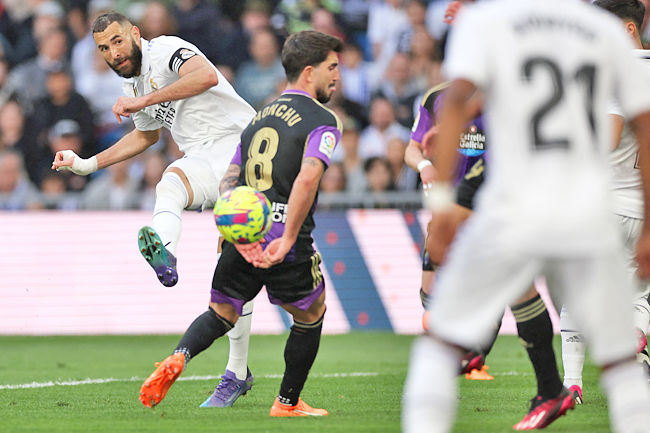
(326,76)
(120,49)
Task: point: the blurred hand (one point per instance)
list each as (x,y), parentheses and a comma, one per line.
(125,106)
(251,252)
(452,11)
(274,253)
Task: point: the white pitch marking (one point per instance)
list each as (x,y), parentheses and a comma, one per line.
(139,379)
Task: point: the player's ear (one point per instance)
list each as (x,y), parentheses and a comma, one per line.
(135,33)
(630,27)
(308,73)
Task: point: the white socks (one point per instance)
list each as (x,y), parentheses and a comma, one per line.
(239,337)
(628,394)
(171,199)
(573,350)
(429,402)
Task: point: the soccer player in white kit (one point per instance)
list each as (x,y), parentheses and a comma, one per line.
(170,84)
(628,206)
(547,69)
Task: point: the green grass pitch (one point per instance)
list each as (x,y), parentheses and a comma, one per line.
(368,402)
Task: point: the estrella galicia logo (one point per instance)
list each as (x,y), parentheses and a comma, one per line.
(472,142)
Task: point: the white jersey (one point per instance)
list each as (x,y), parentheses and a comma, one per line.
(194,121)
(626,183)
(547,69)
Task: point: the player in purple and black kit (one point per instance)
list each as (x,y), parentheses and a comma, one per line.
(534,324)
(284,152)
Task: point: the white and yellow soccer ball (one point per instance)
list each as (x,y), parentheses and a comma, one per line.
(243,215)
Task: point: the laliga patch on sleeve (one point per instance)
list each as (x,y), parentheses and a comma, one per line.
(327,143)
(181,56)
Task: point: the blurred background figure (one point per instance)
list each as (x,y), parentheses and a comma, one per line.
(383,127)
(401,89)
(112,190)
(12,128)
(333,179)
(156,20)
(16,190)
(324,21)
(201,23)
(256,80)
(28,80)
(404,178)
(64,135)
(378,175)
(386,19)
(355,75)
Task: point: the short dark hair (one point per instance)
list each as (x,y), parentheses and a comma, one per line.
(633,10)
(307,48)
(108,18)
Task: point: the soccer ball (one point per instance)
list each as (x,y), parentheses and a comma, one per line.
(243,215)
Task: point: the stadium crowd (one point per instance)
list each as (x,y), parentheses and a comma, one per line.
(56,92)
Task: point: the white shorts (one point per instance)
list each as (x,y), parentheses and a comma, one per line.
(631,231)
(482,276)
(206,165)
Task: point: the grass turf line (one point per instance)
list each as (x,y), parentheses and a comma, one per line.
(355,403)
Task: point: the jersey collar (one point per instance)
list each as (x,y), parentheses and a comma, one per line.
(146,61)
(299,92)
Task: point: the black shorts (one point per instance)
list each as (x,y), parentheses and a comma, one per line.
(236,281)
(469,185)
(427,264)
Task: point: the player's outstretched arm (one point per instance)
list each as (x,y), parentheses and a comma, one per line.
(130,145)
(300,202)
(196,76)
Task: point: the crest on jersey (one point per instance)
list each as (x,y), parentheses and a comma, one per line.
(186,54)
(153,84)
(327,143)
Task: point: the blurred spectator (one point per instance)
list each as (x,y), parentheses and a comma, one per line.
(354,21)
(378,175)
(256,16)
(53,192)
(77,18)
(401,89)
(28,80)
(405,179)
(333,179)
(415,12)
(256,79)
(435,16)
(64,135)
(355,75)
(352,163)
(62,102)
(201,23)
(386,20)
(12,127)
(298,13)
(113,190)
(47,16)
(16,191)
(154,167)
(423,60)
(383,127)
(324,21)
(227,73)
(156,21)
